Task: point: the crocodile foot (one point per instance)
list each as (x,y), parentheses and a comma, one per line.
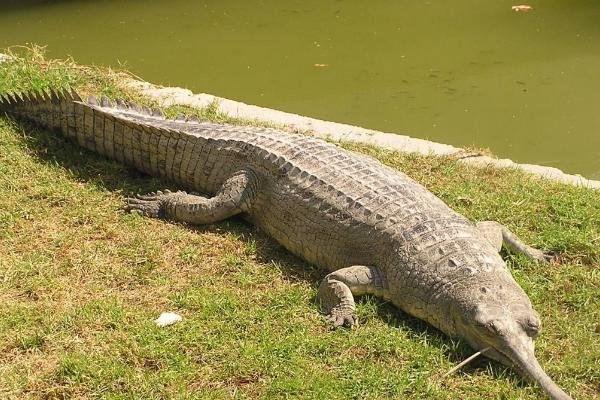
(538,256)
(335,296)
(499,235)
(150,205)
(342,316)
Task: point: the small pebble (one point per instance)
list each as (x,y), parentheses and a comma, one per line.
(168,318)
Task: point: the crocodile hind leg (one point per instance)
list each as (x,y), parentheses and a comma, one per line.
(337,291)
(235,196)
(499,235)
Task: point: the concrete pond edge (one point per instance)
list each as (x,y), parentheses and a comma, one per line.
(168,96)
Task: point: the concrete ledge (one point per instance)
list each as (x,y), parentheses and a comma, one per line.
(168,96)
(332,130)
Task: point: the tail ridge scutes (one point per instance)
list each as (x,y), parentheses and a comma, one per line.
(28,103)
(41,95)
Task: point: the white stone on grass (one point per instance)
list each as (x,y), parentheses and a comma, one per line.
(168,318)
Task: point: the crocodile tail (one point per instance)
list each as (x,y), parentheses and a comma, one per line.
(64,111)
(127,132)
(47,108)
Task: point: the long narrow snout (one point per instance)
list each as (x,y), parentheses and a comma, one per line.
(512,345)
(530,369)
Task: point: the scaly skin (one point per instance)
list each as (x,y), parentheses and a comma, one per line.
(375,229)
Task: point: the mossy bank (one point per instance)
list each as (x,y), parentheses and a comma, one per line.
(81,283)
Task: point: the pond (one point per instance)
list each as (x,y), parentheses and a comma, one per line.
(466,72)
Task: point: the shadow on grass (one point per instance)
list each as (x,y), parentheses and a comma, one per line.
(51,148)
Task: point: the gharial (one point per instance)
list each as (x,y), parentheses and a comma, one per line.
(373,228)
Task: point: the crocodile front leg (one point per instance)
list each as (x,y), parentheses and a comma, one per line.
(336,292)
(235,196)
(499,235)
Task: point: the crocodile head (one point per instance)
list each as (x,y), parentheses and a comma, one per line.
(498,315)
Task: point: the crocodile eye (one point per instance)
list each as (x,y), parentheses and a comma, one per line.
(493,328)
(532,327)
(487,329)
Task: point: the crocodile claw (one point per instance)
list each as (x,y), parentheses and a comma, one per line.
(342,317)
(151,207)
(151,204)
(149,196)
(539,256)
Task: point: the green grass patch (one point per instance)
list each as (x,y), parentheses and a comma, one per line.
(81,283)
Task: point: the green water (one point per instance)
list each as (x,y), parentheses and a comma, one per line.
(475,73)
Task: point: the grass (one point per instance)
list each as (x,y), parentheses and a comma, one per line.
(81,283)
